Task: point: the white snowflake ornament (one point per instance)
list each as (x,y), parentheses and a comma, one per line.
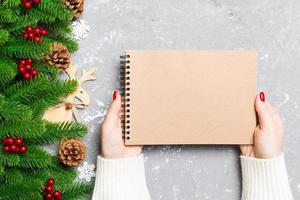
(86,172)
(80,30)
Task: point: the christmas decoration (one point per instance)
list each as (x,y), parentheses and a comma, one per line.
(25,68)
(14,145)
(34,33)
(50,192)
(59,56)
(79,99)
(80,30)
(24,161)
(76,6)
(72,152)
(28,3)
(86,172)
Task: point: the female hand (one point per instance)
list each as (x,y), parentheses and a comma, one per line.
(268,135)
(112,143)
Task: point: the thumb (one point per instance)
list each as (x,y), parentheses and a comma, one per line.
(115,107)
(264,116)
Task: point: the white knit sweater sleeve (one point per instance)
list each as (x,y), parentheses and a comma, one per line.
(120,179)
(265,179)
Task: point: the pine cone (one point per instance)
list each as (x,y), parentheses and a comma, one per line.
(59,56)
(72,152)
(76,6)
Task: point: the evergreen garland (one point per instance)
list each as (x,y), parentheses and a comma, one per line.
(22,102)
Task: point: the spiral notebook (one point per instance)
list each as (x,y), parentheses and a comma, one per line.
(188,97)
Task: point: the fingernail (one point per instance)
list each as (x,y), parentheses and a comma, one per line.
(262,96)
(115,95)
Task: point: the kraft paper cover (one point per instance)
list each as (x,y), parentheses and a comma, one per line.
(191,97)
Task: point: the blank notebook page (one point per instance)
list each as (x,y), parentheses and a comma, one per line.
(190,97)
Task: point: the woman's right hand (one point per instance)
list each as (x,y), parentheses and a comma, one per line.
(112,144)
(268,135)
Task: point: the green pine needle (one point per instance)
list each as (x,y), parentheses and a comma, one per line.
(14,111)
(77,191)
(54,132)
(21,48)
(4,35)
(35,157)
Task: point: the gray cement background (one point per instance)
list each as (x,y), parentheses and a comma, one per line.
(272,27)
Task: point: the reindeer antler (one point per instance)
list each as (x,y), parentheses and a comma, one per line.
(87,75)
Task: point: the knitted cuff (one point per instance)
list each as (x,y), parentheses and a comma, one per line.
(120,179)
(265,179)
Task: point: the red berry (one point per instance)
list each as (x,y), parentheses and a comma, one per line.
(50,182)
(28,67)
(44,32)
(48,188)
(37,31)
(48,196)
(22,61)
(21,65)
(23,149)
(21,70)
(26,76)
(13,148)
(25,36)
(27,5)
(29,61)
(34,72)
(57,194)
(37,39)
(6,148)
(29,29)
(30,36)
(9,141)
(18,141)
(23,1)
(37,1)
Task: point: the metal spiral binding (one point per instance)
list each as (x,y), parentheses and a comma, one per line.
(125,92)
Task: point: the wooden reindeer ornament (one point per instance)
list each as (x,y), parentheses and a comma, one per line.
(66,110)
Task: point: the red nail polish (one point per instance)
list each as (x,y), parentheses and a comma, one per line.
(262,96)
(115,95)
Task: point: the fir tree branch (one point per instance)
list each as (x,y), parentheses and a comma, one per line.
(54,132)
(13,111)
(48,70)
(7,159)
(60,28)
(77,191)
(23,191)
(63,176)
(56,8)
(20,48)
(28,91)
(40,15)
(18,26)
(3,36)
(13,176)
(8,15)
(23,102)
(11,4)
(8,71)
(35,157)
(26,129)
(1,172)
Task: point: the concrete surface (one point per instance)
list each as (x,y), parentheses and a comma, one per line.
(272,27)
